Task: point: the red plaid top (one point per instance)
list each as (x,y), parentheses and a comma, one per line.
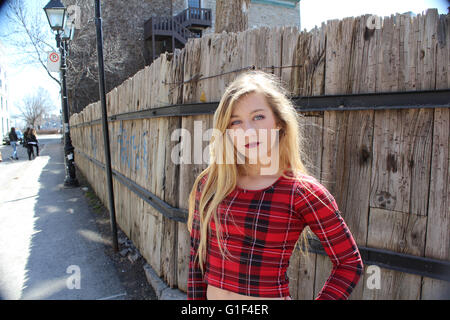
(260,229)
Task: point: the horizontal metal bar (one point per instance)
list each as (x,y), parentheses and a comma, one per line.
(427,267)
(375,101)
(177,110)
(351,102)
(163,207)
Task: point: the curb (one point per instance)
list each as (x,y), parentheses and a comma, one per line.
(162,290)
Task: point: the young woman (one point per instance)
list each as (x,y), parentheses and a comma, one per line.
(34,141)
(246,215)
(28,143)
(13,141)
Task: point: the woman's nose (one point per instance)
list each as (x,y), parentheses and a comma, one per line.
(248,127)
(250,131)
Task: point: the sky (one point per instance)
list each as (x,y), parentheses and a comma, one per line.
(25,78)
(314,12)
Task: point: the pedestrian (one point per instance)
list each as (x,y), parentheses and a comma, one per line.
(248,210)
(13,142)
(27,144)
(34,141)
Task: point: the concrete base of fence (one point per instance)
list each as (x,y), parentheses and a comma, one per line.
(162,290)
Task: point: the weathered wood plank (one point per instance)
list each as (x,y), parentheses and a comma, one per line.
(399,232)
(192,65)
(171,187)
(438,226)
(346,165)
(302,268)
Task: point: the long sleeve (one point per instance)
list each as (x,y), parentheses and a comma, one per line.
(324,219)
(196,285)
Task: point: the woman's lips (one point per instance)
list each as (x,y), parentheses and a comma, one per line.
(252,145)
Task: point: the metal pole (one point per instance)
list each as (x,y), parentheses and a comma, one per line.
(71,179)
(101,85)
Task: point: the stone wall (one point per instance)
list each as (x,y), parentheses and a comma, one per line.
(162,7)
(261,15)
(266,15)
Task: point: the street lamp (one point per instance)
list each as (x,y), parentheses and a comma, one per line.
(56,14)
(57,17)
(69,30)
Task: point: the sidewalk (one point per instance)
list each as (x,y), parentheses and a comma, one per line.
(50,247)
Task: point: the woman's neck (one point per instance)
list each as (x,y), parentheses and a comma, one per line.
(255,171)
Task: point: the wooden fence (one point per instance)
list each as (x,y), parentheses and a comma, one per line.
(388,169)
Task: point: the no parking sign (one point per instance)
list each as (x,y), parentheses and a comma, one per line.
(53,61)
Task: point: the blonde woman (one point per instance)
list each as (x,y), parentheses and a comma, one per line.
(250,206)
(34,141)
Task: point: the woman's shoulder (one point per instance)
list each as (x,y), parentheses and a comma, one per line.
(311,191)
(305,184)
(300,179)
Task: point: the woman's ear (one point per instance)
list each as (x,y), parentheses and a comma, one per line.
(280,128)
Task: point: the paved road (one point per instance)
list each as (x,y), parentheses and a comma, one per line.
(49,245)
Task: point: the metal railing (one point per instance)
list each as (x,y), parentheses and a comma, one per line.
(192,16)
(163,26)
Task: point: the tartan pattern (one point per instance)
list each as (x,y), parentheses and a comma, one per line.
(260,229)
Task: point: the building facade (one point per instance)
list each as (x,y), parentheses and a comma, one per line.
(264,13)
(194,18)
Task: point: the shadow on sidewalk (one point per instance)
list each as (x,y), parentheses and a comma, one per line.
(66,258)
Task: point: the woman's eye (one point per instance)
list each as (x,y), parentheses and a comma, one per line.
(258,117)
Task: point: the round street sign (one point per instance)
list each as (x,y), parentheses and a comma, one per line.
(53,61)
(54,57)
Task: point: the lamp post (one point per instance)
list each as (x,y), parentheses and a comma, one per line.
(101,89)
(57,16)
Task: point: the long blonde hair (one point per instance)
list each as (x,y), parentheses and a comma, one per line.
(222,175)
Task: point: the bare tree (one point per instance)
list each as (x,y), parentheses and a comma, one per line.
(29,33)
(231,16)
(35,106)
(123,42)
(123,47)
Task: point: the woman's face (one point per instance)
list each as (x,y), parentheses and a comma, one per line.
(253,128)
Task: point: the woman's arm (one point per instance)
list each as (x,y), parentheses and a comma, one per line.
(196,285)
(324,219)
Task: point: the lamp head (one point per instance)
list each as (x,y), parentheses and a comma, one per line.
(56,14)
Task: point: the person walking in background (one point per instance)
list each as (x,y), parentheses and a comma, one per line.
(13,141)
(26,143)
(34,141)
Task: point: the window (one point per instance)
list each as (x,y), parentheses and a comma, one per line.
(194,3)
